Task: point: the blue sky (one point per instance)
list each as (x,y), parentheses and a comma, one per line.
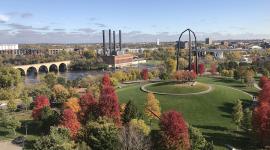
(65,21)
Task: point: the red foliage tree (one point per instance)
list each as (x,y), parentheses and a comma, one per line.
(261,114)
(108,104)
(263,81)
(106,81)
(144,74)
(88,105)
(213,69)
(261,122)
(70,121)
(201,69)
(175,133)
(40,102)
(193,67)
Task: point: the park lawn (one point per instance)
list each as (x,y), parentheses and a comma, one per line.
(33,131)
(171,87)
(210,112)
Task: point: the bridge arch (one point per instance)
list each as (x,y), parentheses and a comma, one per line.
(53,68)
(32,71)
(23,73)
(43,69)
(62,67)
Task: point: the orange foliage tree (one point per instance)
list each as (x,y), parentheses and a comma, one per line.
(73,104)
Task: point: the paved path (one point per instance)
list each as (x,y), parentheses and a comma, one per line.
(257,86)
(7,145)
(210,88)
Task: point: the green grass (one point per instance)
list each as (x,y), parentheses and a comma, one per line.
(172,87)
(210,112)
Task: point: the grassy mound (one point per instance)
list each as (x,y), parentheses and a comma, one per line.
(176,88)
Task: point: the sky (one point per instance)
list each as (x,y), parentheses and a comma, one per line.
(82,21)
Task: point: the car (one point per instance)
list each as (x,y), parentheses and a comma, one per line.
(18,140)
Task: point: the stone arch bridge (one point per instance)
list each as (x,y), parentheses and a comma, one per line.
(44,67)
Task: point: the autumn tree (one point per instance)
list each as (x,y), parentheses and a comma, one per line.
(39,103)
(174,131)
(106,81)
(170,65)
(152,108)
(261,116)
(69,120)
(237,114)
(263,81)
(249,77)
(108,103)
(60,93)
(213,69)
(183,63)
(88,106)
(73,104)
(201,69)
(144,74)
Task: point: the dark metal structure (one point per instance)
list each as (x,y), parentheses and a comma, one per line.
(110,41)
(104,42)
(120,40)
(190,50)
(114,44)
(112,48)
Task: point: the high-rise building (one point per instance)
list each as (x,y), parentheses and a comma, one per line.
(157,41)
(208,41)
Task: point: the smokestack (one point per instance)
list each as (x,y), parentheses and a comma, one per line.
(110,41)
(120,40)
(114,44)
(104,43)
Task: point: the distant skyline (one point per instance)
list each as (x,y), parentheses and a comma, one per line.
(81,21)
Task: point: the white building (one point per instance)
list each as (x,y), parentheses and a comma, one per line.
(157,42)
(9,49)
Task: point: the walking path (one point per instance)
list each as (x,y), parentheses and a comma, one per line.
(7,145)
(257,86)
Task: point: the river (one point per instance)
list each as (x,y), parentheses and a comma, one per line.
(72,75)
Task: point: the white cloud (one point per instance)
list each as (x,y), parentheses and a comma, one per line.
(4,18)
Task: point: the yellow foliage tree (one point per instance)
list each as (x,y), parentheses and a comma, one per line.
(73,104)
(171,65)
(152,108)
(140,125)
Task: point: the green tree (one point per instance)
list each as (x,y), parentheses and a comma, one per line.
(10,122)
(237,114)
(26,100)
(101,135)
(9,77)
(48,118)
(58,139)
(130,112)
(11,105)
(247,120)
(50,79)
(197,140)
